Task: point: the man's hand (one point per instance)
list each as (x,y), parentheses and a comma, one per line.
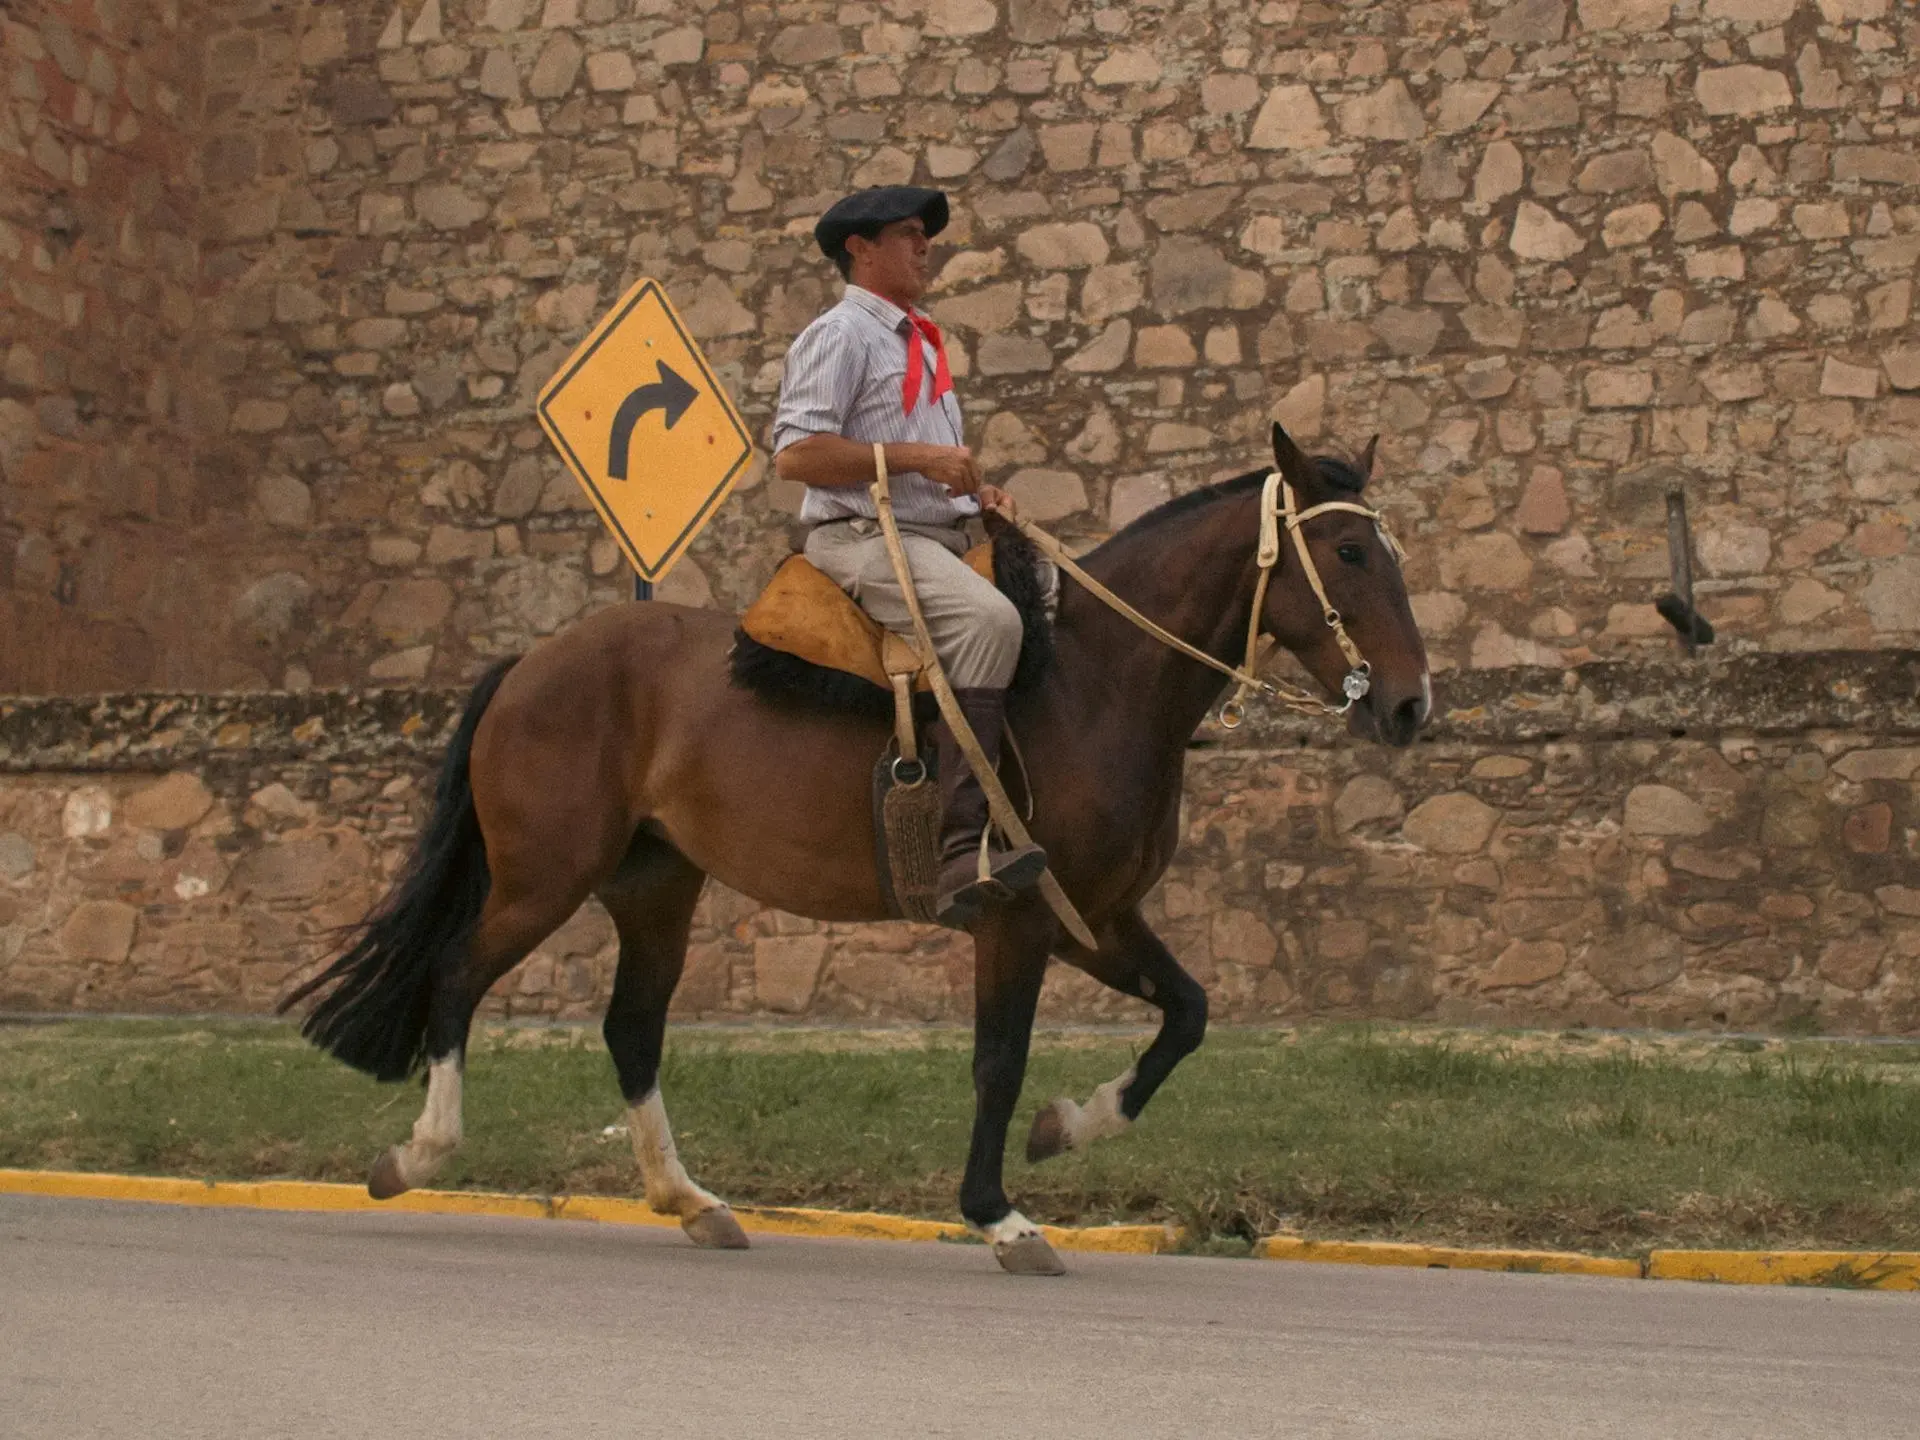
(948,465)
(993,498)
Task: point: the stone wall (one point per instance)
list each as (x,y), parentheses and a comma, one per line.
(1716,845)
(101,228)
(1562,254)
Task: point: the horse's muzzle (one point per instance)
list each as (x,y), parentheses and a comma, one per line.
(1388,721)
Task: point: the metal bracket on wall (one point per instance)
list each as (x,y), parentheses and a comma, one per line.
(1676,607)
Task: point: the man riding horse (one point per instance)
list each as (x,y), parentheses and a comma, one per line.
(874,370)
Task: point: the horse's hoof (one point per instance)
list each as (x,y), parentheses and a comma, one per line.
(1029,1255)
(1049,1136)
(715,1229)
(385,1181)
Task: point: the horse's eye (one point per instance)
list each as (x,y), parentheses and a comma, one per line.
(1353,554)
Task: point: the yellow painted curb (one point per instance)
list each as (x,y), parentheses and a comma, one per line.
(601,1209)
(1843,1269)
(1442,1257)
(1849,1269)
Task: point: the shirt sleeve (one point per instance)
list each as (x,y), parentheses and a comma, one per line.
(820,385)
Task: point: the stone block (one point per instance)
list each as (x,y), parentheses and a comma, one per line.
(16,856)
(1241,937)
(99,931)
(682,46)
(1852,964)
(1858,382)
(1071,245)
(1629,15)
(1389,113)
(808,44)
(1366,798)
(1876,164)
(1892,596)
(1164,346)
(1679,168)
(1664,811)
(1543,508)
(1014,355)
(1644,958)
(1631,225)
(175,803)
(1742,90)
(1129,65)
(1551,108)
(1538,235)
(786,971)
(1462,103)
(957,18)
(1490,561)
(557,68)
(1455,823)
(1523,963)
(1132,496)
(1528,22)
(1290,119)
(408,609)
(1048,495)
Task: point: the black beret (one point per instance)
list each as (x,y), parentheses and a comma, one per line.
(880,205)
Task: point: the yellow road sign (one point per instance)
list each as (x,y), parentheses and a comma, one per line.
(646,428)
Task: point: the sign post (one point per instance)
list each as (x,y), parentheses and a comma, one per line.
(647,430)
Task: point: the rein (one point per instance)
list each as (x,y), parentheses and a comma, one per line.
(1277,508)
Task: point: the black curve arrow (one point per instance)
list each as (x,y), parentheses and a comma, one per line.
(669,393)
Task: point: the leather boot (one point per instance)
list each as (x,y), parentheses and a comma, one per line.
(963,888)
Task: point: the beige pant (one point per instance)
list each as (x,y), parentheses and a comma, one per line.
(975,629)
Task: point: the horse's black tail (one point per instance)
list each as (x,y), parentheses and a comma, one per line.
(375,1016)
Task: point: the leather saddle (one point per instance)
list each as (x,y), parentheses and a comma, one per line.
(805,614)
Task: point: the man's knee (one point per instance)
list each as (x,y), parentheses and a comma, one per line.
(1000,624)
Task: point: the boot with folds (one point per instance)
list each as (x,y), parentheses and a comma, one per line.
(972,874)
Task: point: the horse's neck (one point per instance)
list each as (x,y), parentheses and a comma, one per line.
(1194,578)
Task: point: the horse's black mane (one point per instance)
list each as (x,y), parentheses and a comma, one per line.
(1337,471)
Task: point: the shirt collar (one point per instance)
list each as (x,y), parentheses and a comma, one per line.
(882,309)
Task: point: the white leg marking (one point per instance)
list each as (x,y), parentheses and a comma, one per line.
(1100,1117)
(437,1133)
(1014,1228)
(669,1189)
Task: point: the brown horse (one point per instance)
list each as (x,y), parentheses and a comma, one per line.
(618,760)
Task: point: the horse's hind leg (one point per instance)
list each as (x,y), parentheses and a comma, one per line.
(651,899)
(1132,960)
(509,927)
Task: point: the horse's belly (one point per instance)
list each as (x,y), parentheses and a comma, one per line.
(775,806)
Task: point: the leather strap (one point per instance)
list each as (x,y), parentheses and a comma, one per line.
(999,804)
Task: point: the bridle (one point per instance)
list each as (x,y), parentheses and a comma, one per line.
(1278,510)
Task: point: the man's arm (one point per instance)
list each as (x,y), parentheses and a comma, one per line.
(833,462)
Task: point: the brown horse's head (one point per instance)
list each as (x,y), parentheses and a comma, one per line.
(1361,575)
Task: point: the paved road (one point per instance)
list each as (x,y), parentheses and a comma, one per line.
(131,1320)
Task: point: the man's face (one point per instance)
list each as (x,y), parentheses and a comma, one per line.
(895,262)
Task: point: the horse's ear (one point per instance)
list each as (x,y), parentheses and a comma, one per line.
(1292,465)
(1365,463)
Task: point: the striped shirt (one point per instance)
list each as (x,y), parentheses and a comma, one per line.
(844,377)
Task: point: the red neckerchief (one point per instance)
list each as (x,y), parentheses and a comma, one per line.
(923,328)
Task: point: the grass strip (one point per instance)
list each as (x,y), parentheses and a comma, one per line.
(1584,1141)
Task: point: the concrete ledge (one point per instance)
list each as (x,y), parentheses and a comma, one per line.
(1857,1270)
(1869,691)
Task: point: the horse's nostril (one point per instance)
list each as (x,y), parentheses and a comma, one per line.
(1408,715)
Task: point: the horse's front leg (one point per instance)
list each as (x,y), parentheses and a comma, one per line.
(1132,960)
(1010,948)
